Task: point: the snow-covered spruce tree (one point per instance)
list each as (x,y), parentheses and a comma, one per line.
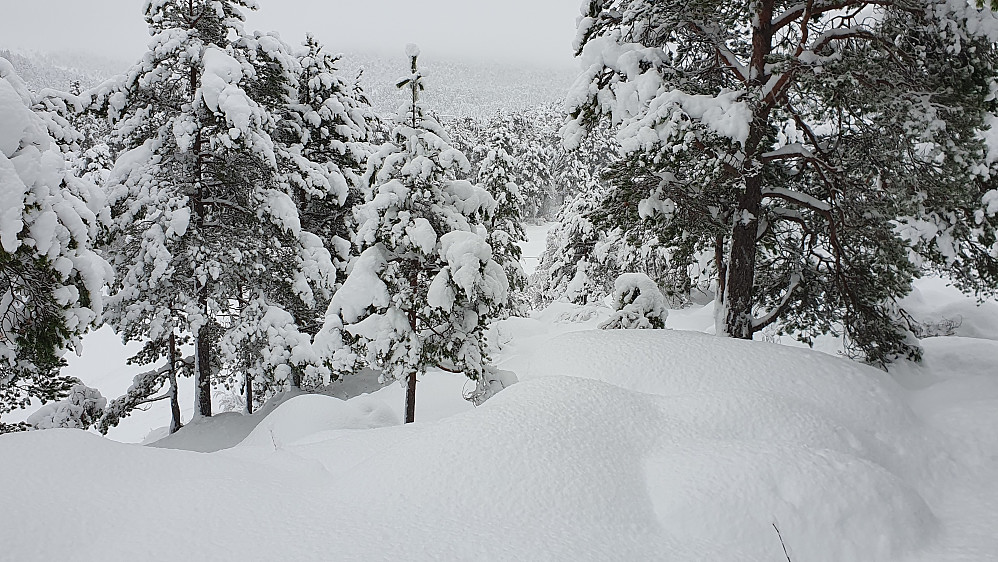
(802,140)
(423,291)
(588,249)
(207,239)
(583,167)
(533,152)
(93,158)
(50,278)
(319,133)
(505,225)
(466,135)
(323,139)
(568,270)
(331,125)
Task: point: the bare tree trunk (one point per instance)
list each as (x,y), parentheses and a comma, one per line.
(410,388)
(410,398)
(202,357)
(738,321)
(174,400)
(202,377)
(249,393)
(741,265)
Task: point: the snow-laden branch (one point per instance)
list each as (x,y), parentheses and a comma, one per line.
(796,11)
(226,203)
(144,385)
(793,215)
(795,150)
(839,34)
(804,199)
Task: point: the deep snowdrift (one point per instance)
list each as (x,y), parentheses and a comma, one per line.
(616,445)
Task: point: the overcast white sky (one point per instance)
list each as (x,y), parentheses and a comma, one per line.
(519,31)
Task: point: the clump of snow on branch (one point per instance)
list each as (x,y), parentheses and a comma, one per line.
(80,410)
(648,110)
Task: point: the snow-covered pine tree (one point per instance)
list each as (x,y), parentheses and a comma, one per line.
(51,280)
(207,239)
(534,152)
(323,141)
(505,225)
(816,145)
(146,385)
(423,291)
(569,269)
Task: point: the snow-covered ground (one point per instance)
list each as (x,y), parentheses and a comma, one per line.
(614,445)
(534,246)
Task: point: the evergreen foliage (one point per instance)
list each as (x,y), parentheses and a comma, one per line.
(423,291)
(568,270)
(505,225)
(51,280)
(80,410)
(637,303)
(207,237)
(827,151)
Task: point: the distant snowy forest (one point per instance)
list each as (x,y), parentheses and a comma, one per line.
(276,224)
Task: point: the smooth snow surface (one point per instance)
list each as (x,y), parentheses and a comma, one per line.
(534,245)
(615,445)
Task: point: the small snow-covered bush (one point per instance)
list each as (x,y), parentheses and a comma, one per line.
(638,304)
(491,383)
(80,410)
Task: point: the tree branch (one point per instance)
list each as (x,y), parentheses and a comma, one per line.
(150,400)
(777,311)
(736,67)
(797,197)
(791,14)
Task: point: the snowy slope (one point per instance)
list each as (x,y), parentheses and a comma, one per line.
(619,445)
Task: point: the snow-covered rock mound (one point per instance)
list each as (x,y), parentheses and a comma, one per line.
(304,415)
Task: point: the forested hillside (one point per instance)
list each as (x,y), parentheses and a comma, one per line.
(724,291)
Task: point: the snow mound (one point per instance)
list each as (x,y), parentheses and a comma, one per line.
(615,445)
(307,414)
(676,363)
(220,431)
(827,505)
(207,435)
(755,434)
